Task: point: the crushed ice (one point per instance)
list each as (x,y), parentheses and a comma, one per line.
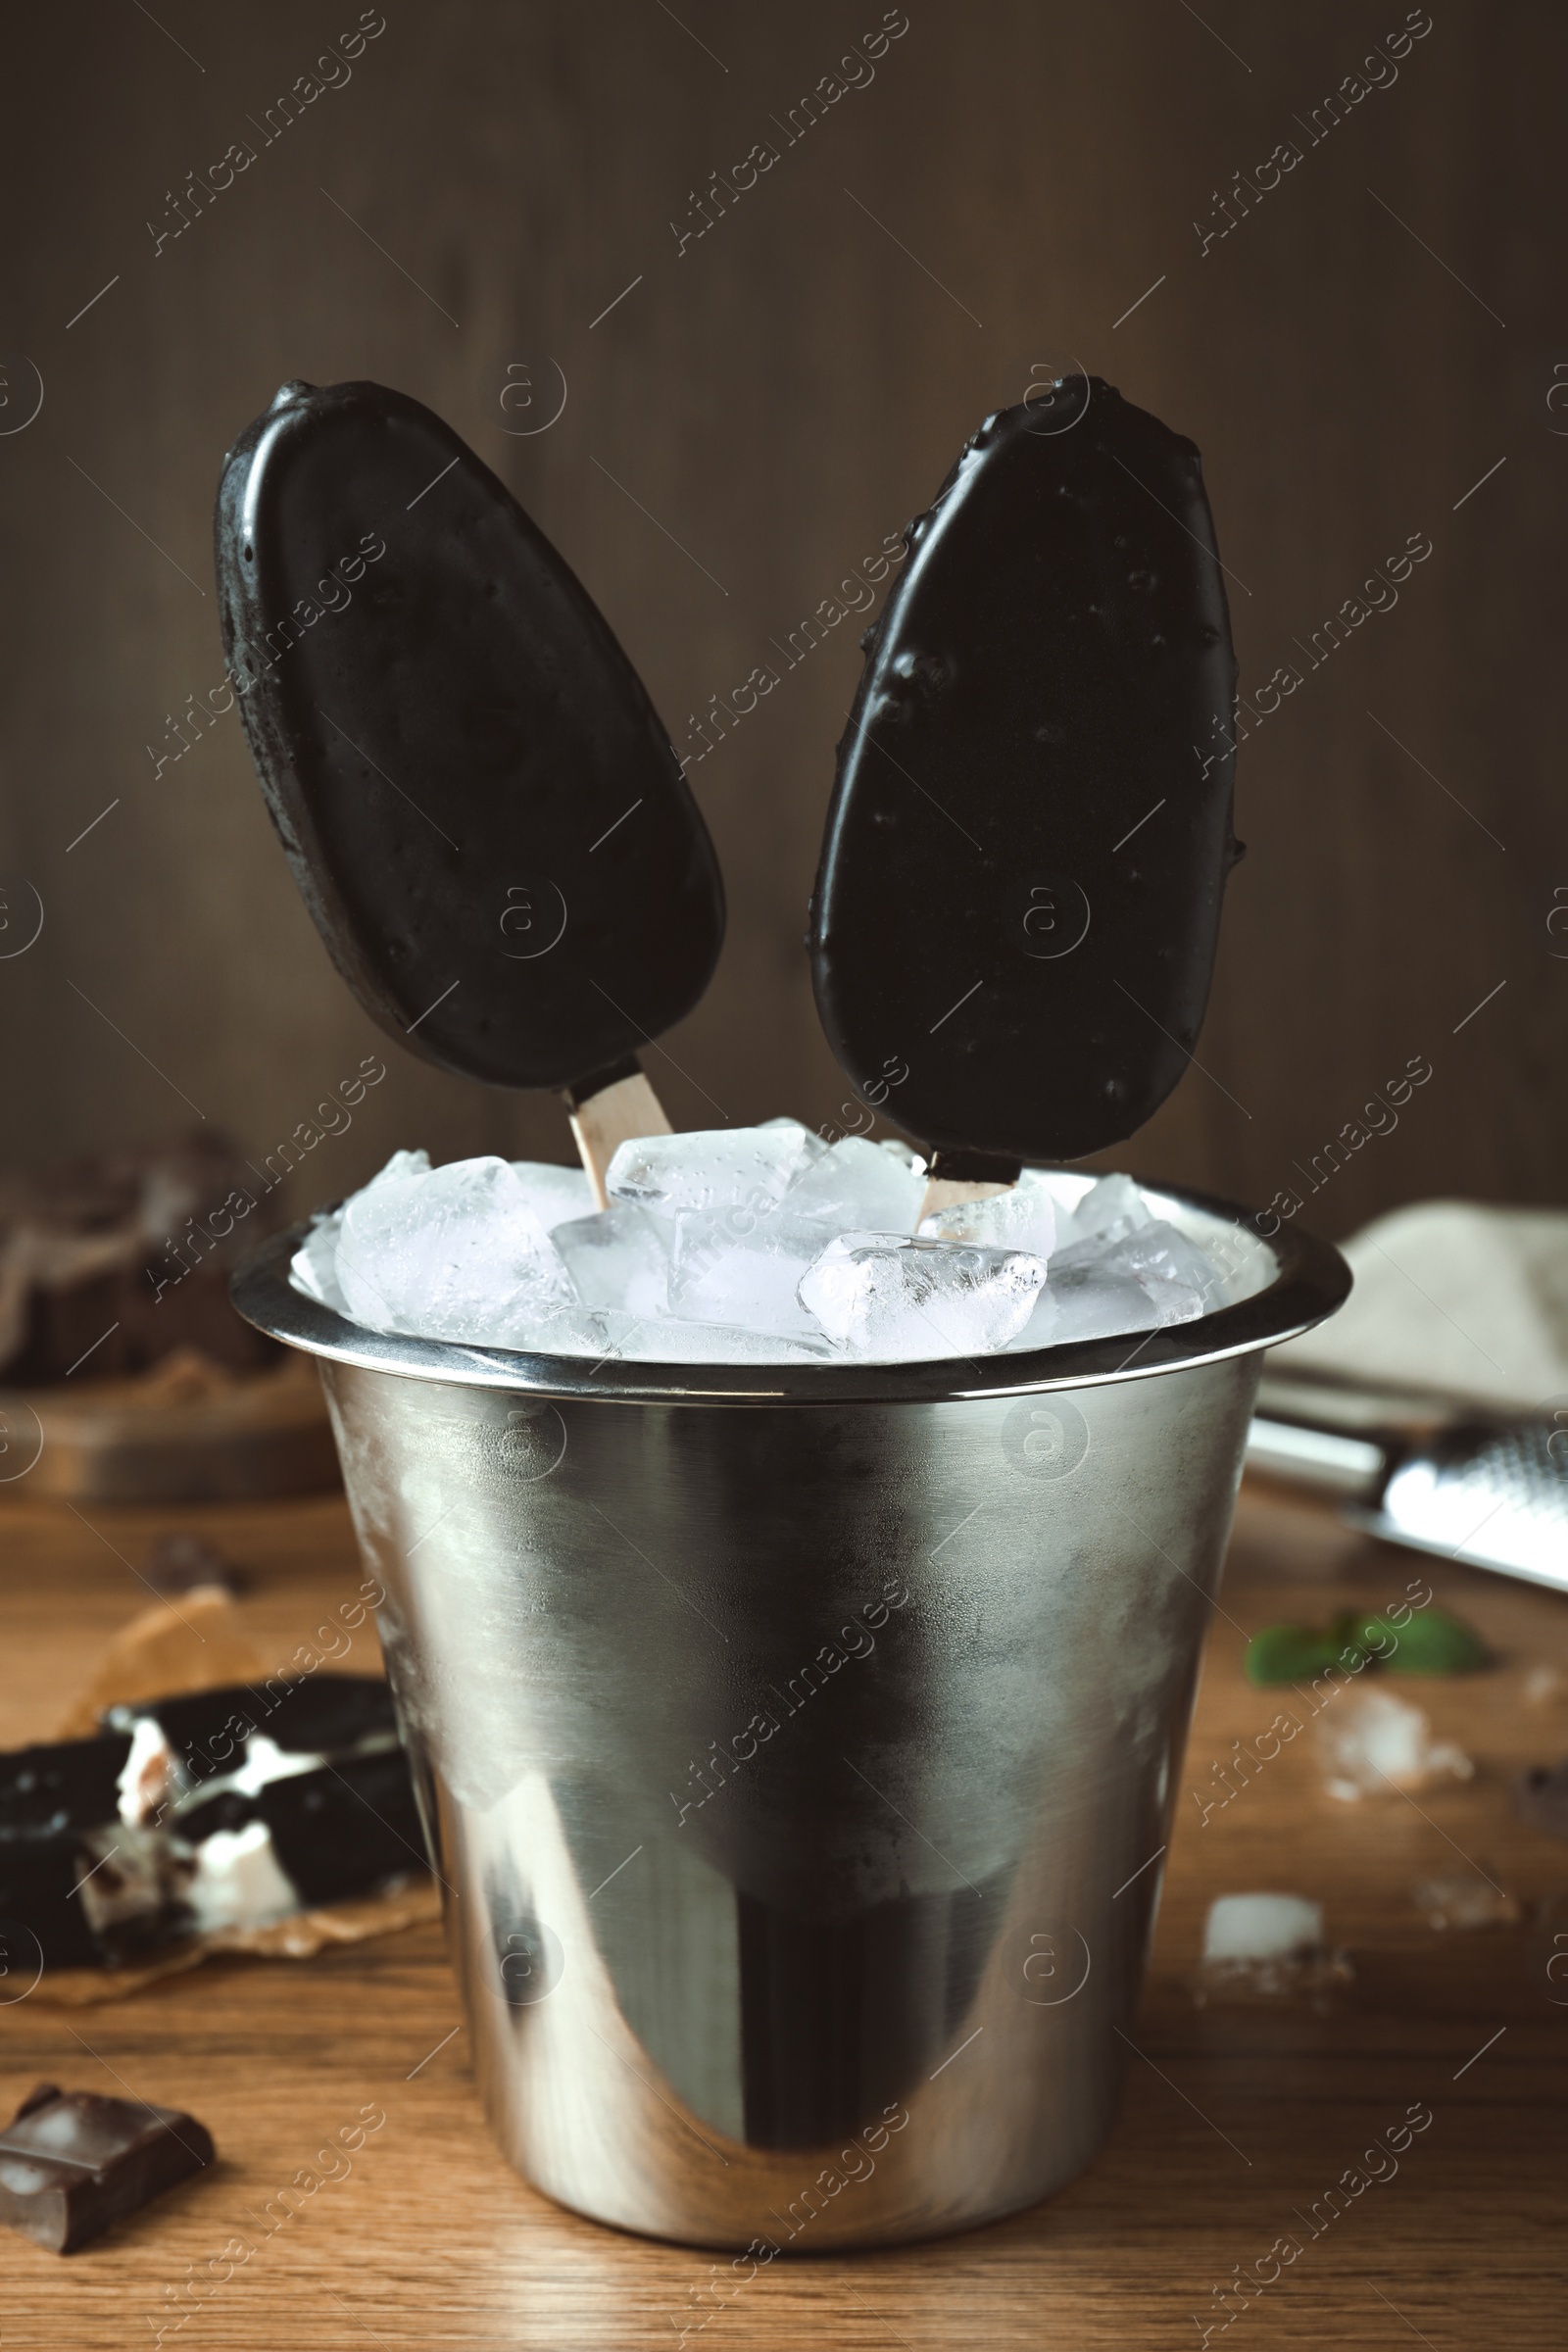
(1375,1742)
(759,1245)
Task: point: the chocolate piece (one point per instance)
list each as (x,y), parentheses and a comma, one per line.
(480,806)
(71,2163)
(181,1563)
(1020,887)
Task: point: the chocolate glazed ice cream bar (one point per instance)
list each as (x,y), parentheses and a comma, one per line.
(482,808)
(223,1808)
(1025,855)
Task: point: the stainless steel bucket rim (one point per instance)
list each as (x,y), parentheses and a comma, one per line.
(1311,1280)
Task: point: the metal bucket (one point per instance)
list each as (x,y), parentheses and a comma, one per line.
(798,1745)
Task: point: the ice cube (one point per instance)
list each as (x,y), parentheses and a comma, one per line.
(1023,1217)
(1261,1927)
(858,1186)
(401,1165)
(313,1268)
(1180,1281)
(1372,1743)
(1176,1280)
(1110,1209)
(888,1299)
(554,1193)
(1463,1898)
(455,1254)
(743,1264)
(716,1168)
(729,1267)
(674,1340)
(619,1258)
(774,1244)
(1086,1306)
(1268,1947)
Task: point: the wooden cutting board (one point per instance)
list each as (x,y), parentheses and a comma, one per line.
(189,1431)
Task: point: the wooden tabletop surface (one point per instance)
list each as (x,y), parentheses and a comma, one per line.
(1235,2123)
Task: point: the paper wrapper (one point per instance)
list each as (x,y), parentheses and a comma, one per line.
(166,1652)
(406,1903)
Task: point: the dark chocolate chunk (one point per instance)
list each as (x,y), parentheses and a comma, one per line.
(73,2163)
(340,1831)
(482,810)
(181,1563)
(1021,879)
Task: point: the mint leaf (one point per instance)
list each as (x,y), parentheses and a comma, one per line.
(1434,1643)
(1289,1654)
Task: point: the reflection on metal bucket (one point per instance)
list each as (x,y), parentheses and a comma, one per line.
(801,1745)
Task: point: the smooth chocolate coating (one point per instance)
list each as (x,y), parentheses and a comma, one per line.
(1020,887)
(73,2163)
(482,810)
(341,1831)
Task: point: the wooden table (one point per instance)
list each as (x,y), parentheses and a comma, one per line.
(1235,2120)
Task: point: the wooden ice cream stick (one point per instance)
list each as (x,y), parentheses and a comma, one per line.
(610,1111)
(956,1177)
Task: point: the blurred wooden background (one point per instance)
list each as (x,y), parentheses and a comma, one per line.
(1373,336)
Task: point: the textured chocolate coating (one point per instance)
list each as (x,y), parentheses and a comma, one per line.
(482,810)
(1021,880)
(73,2163)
